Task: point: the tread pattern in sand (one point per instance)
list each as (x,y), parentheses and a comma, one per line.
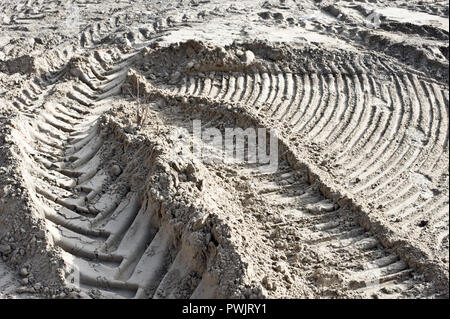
(366,267)
(387,140)
(102,226)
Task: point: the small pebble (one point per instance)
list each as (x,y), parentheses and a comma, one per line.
(116,170)
(24,272)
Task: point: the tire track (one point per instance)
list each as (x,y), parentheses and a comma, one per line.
(380,135)
(105,231)
(322,225)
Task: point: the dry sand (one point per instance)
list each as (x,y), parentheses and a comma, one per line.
(95,202)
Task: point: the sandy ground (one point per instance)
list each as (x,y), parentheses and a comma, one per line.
(8,282)
(100,196)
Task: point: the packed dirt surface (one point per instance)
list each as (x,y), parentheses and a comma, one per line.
(102,194)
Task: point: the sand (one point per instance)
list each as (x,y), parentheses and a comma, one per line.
(98,198)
